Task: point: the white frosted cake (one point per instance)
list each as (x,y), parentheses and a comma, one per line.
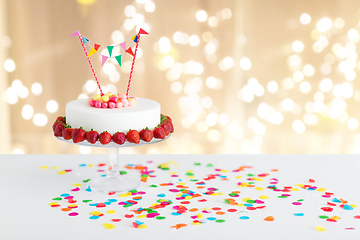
(144,113)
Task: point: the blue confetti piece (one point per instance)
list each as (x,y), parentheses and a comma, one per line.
(311,189)
(94,217)
(336,200)
(103,175)
(138,222)
(211,218)
(175,213)
(131,165)
(82,165)
(107,203)
(223,176)
(299,214)
(93,204)
(244,218)
(161,195)
(248,205)
(88,189)
(348,207)
(112,200)
(64,195)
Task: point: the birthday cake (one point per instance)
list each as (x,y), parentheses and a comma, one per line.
(112,117)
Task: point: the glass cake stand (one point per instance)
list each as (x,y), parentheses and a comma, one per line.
(113,181)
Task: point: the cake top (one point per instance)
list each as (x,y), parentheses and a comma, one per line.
(110,100)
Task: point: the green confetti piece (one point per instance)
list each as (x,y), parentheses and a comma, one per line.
(194,180)
(128,205)
(209,165)
(85,201)
(197,164)
(226,201)
(153,185)
(250,201)
(282,196)
(300,200)
(165,168)
(220,220)
(189,174)
(233,194)
(251,183)
(57,198)
(251,175)
(133,191)
(145,175)
(123,172)
(86,180)
(160,217)
(323,217)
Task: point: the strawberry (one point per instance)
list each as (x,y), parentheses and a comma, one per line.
(92,136)
(54,125)
(105,138)
(133,136)
(119,138)
(170,125)
(58,129)
(159,132)
(146,135)
(67,132)
(61,119)
(166,127)
(78,135)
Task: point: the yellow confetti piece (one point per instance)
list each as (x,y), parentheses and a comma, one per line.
(299,185)
(189,170)
(321,189)
(238,177)
(223,170)
(191,176)
(200,215)
(125,194)
(188,197)
(247,198)
(320,229)
(53,203)
(108,226)
(241,205)
(142,226)
(336,218)
(353,205)
(55,167)
(44,167)
(182,183)
(96,213)
(111,211)
(90,165)
(77,184)
(219,193)
(173,172)
(259,188)
(264,197)
(72,205)
(295,189)
(196,223)
(62,172)
(141,216)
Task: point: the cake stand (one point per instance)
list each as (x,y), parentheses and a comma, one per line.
(113,181)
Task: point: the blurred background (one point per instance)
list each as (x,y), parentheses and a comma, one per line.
(235,76)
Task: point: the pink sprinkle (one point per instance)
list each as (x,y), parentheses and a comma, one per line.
(75,189)
(326,196)
(68,197)
(73,214)
(68,170)
(259,201)
(152,215)
(286,195)
(212,189)
(174,175)
(350,228)
(277,190)
(194,217)
(297,203)
(141,193)
(174,190)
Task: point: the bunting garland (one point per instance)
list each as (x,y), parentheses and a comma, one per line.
(95,50)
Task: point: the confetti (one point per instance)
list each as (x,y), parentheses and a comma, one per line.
(87,180)
(320,229)
(88,189)
(244,217)
(94,217)
(108,225)
(219,220)
(75,189)
(111,212)
(299,214)
(73,214)
(357,216)
(44,167)
(116,220)
(269,218)
(62,172)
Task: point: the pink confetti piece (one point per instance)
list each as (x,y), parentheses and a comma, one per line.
(297,203)
(73,214)
(75,189)
(350,228)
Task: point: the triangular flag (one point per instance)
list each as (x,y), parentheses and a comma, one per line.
(76,33)
(134,38)
(118,59)
(110,48)
(104,58)
(85,40)
(129,51)
(123,45)
(142,31)
(97,46)
(92,51)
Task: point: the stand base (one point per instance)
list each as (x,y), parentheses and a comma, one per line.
(113,184)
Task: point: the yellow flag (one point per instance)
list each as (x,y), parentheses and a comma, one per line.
(92,51)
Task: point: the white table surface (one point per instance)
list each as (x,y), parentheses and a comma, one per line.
(26,190)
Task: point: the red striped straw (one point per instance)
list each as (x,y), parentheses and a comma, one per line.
(92,68)
(132,66)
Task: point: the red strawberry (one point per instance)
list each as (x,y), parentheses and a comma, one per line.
(78,135)
(92,136)
(171,125)
(119,138)
(58,129)
(67,132)
(146,135)
(105,138)
(133,136)
(54,125)
(159,132)
(166,127)
(61,119)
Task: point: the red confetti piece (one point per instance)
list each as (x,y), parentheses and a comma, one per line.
(116,220)
(260,207)
(70,200)
(327,209)
(216,208)
(185,202)
(57,205)
(111,193)
(329,193)
(331,220)
(357,216)
(73,214)
(311,180)
(232,210)
(202,200)
(67,170)
(135,224)
(129,215)
(251,208)
(101,164)
(100,205)
(331,204)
